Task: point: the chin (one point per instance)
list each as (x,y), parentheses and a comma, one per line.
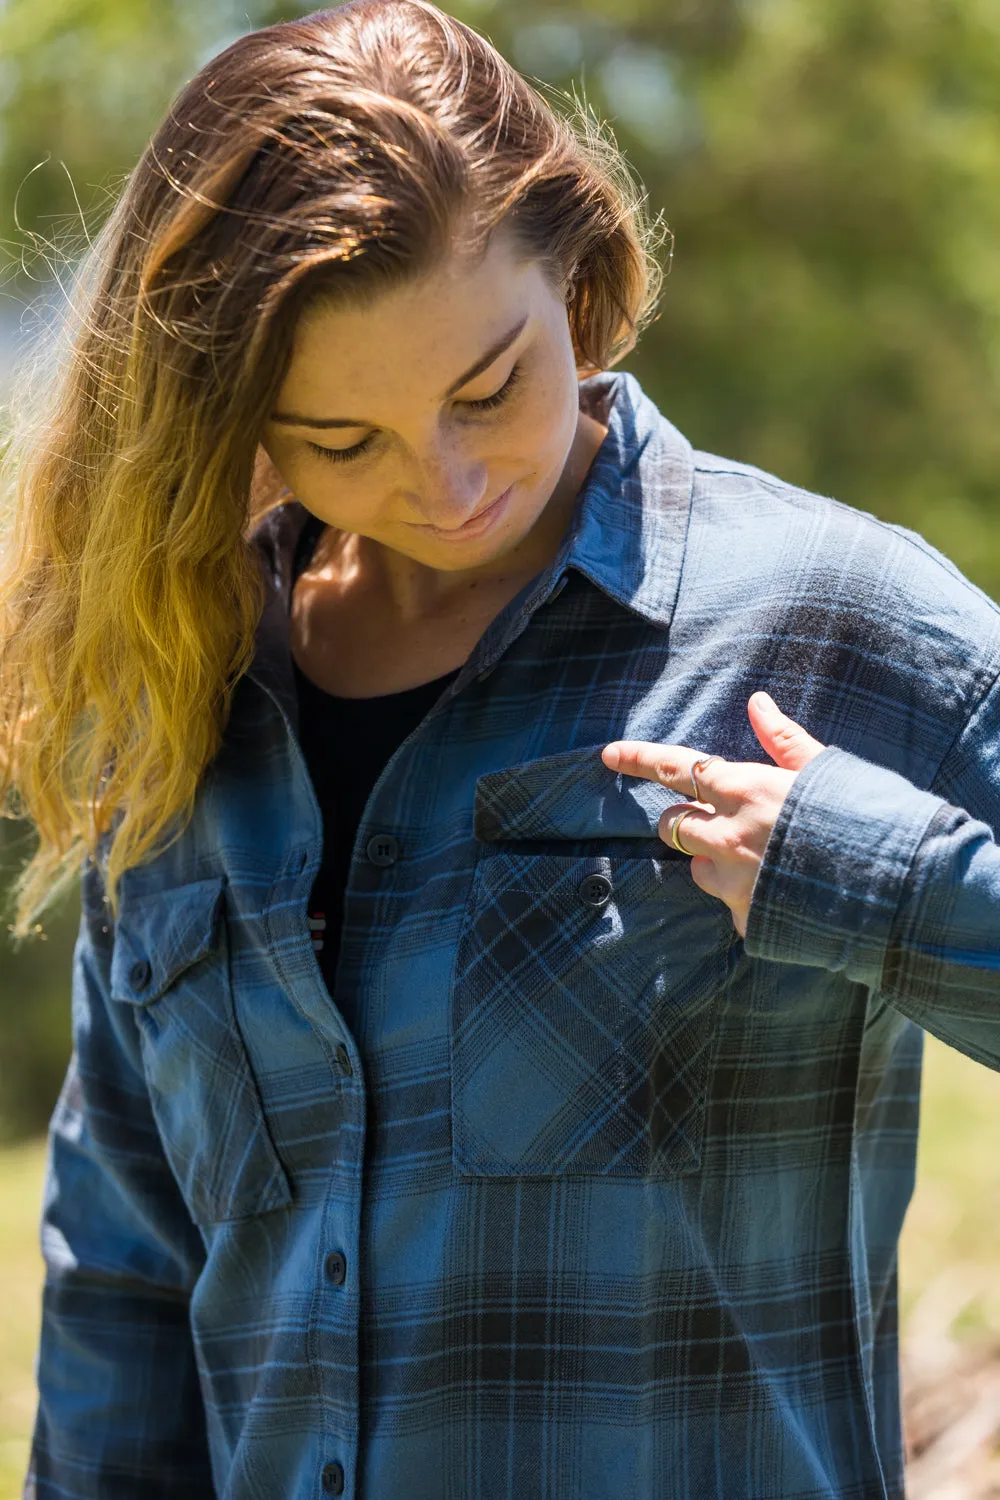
(450,559)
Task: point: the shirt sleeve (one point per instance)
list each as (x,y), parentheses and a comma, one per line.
(119,1407)
(896,887)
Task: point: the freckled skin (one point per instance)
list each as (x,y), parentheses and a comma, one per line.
(389,363)
(431,459)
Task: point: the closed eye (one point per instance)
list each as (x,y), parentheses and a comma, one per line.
(342,455)
(485,403)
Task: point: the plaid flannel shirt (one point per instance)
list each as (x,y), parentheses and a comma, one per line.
(565,1191)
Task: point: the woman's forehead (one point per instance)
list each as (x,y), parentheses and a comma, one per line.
(440,324)
(457,276)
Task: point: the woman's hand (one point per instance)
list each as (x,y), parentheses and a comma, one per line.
(727,832)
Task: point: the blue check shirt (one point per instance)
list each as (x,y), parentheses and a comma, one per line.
(565,1192)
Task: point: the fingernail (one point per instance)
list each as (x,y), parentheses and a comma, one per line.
(765,700)
(612,757)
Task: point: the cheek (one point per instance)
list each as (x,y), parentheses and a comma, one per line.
(547,424)
(335,491)
(295,469)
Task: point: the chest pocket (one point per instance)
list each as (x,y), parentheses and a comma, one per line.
(588,977)
(171,963)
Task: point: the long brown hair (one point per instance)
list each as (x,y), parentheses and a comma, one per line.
(327,156)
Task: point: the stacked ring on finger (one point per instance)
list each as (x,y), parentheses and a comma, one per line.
(697,770)
(674,839)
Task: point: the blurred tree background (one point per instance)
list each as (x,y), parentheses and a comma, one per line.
(829,170)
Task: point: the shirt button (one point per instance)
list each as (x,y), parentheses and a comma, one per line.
(333,1479)
(140,974)
(335,1267)
(482,676)
(382,849)
(344,1059)
(595,890)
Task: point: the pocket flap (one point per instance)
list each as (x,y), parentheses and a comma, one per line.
(160,934)
(572,795)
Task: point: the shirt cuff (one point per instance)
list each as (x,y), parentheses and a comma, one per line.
(835,866)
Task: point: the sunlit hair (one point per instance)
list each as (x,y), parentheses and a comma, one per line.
(329,156)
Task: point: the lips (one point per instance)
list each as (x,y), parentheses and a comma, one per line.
(483,511)
(472,521)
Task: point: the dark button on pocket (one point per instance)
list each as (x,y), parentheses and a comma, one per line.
(344,1059)
(336,1268)
(140,974)
(595,890)
(584,1014)
(383,849)
(333,1480)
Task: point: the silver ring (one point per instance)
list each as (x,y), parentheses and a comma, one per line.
(699,766)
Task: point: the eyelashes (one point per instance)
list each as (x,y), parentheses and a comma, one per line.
(485,403)
(341,455)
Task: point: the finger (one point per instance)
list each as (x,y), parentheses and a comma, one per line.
(705,875)
(670,765)
(732,887)
(787,743)
(693,833)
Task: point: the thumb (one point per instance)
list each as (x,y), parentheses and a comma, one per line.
(786,742)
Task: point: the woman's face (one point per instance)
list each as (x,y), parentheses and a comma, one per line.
(422,407)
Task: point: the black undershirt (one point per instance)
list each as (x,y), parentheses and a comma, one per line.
(346,743)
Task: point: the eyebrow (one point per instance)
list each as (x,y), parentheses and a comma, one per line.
(295,419)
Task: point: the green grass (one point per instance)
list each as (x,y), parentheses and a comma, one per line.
(21,1170)
(952,1219)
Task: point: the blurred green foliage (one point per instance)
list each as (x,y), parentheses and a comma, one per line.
(34,1005)
(829,169)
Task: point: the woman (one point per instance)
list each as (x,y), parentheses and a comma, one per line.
(497,1026)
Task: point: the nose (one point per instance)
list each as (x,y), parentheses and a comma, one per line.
(452,484)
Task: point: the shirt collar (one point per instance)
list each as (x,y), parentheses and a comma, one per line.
(630,522)
(626,535)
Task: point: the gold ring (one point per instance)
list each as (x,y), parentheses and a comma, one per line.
(673,833)
(697,769)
